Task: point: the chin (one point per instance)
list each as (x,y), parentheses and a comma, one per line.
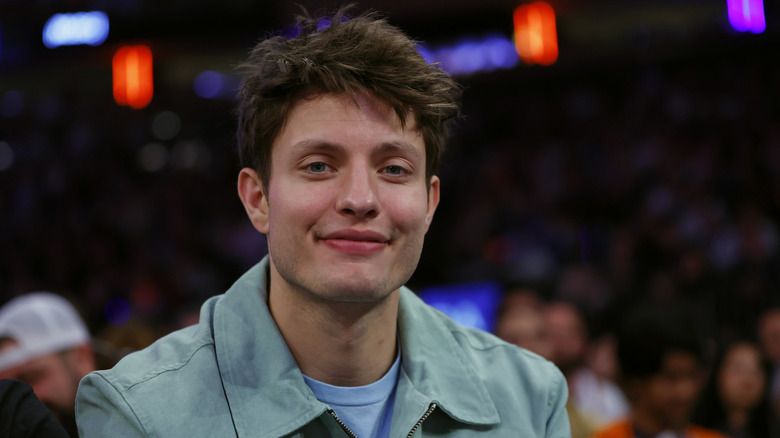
(357,290)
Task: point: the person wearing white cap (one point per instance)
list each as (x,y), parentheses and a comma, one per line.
(45,343)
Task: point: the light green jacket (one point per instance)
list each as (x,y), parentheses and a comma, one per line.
(233,375)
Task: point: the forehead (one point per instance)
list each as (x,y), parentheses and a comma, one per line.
(31,366)
(680,361)
(770,322)
(326,114)
(742,352)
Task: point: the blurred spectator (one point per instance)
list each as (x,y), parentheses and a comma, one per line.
(769,338)
(520,322)
(662,363)
(22,415)
(45,343)
(518,297)
(594,385)
(567,338)
(568,335)
(117,341)
(736,398)
(592,397)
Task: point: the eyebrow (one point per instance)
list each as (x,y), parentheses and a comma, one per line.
(314,145)
(400,146)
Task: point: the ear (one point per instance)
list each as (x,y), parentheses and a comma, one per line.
(433,200)
(250,190)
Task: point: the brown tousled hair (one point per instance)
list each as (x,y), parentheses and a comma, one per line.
(356,55)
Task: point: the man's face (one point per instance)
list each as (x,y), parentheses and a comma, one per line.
(525,328)
(769,335)
(669,395)
(566,334)
(53,377)
(742,379)
(347,204)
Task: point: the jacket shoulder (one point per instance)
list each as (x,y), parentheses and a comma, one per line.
(171,388)
(169,353)
(486,349)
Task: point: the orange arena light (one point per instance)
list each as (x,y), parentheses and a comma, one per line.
(133,84)
(536,38)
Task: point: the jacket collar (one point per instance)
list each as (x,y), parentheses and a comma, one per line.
(263,384)
(265,388)
(437,364)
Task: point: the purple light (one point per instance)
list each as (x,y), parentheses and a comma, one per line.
(467,58)
(500,52)
(426,54)
(208,84)
(473,55)
(117,311)
(747,15)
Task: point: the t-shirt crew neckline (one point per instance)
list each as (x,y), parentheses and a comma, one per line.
(361,408)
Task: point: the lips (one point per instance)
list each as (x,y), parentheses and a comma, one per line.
(355,242)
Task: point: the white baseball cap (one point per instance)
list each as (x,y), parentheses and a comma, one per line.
(41,323)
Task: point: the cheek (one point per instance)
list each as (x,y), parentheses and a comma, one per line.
(407,210)
(291,205)
(660,391)
(754,384)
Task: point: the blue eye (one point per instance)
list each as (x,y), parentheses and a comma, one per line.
(318,167)
(394,170)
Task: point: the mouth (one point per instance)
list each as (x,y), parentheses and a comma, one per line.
(354,242)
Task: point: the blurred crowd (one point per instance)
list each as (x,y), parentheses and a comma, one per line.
(600,189)
(655,371)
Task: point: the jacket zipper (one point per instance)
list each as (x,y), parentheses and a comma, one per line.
(341,423)
(427,414)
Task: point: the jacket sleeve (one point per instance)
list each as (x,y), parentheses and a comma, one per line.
(102,411)
(558,420)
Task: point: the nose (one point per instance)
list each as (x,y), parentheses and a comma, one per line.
(358,194)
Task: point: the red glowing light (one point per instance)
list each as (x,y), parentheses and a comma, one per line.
(536,39)
(133,85)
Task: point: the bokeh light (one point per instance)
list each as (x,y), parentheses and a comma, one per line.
(166,125)
(90,28)
(117,311)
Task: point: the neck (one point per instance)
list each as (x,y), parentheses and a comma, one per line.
(737,418)
(342,344)
(650,425)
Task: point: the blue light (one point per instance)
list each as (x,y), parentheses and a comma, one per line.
(467,58)
(117,311)
(470,56)
(469,304)
(500,52)
(208,84)
(77,28)
(426,54)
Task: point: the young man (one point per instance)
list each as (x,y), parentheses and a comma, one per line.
(661,359)
(340,132)
(45,343)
